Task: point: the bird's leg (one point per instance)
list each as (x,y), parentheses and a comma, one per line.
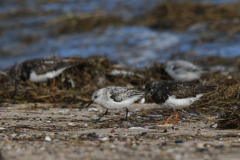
(126,113)
(101,116)
(40,85)
(53,83)
(166,121)
(176,118)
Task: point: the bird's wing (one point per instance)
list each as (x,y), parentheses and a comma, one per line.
(42,66)
(119,94)
(184,90)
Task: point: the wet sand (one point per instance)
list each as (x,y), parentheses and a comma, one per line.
(32,131)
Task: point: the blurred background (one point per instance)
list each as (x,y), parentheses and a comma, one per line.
(130,32)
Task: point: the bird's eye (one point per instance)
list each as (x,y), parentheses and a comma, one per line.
(95,97)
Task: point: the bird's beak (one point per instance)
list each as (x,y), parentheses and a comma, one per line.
(89,103)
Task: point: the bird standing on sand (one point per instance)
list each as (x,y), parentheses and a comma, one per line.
(183,71)
(116,98)
(175,95)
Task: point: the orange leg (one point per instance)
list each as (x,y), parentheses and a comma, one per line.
(176,118)
(40,85)
(53,84)
(166,121)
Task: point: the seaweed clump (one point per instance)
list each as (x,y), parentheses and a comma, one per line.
(83,22)
(76,85)
(180,16)
(230,119)
(79,82)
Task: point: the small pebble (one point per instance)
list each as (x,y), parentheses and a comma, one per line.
(104,139)
(219,147)
(202,150)
(214,126)
(219,138)
(47,138)
(23,131)
(164,144)
(206,145)
(156,116)
(13,135)
(112,131)
(70,124)
(165,130)
(179,141)
(2,136)
(93,109)
(144,133)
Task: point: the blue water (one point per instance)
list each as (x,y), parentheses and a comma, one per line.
(127,45)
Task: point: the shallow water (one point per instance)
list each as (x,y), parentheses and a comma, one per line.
(128,45)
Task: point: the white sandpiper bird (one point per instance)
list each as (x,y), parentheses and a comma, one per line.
(183,71)
(175,95)
(115,98)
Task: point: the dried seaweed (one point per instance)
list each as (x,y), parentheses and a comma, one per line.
(96,72)
(230,118)
(180,16)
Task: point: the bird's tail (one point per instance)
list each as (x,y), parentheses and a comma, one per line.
(142,98)
(3,73)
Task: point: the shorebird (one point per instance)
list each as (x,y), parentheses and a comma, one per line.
(115,98)
(39,70)
(175,95)
(183,71)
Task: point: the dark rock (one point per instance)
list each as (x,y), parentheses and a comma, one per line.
(202,150)
(219,138)
(92,135)
(144,133)
(219,147)
(164,144)
(179,141)
(165,130)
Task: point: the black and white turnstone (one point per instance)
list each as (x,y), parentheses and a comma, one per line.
(183,71)
(40,70)
(115,98)
(175,95)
